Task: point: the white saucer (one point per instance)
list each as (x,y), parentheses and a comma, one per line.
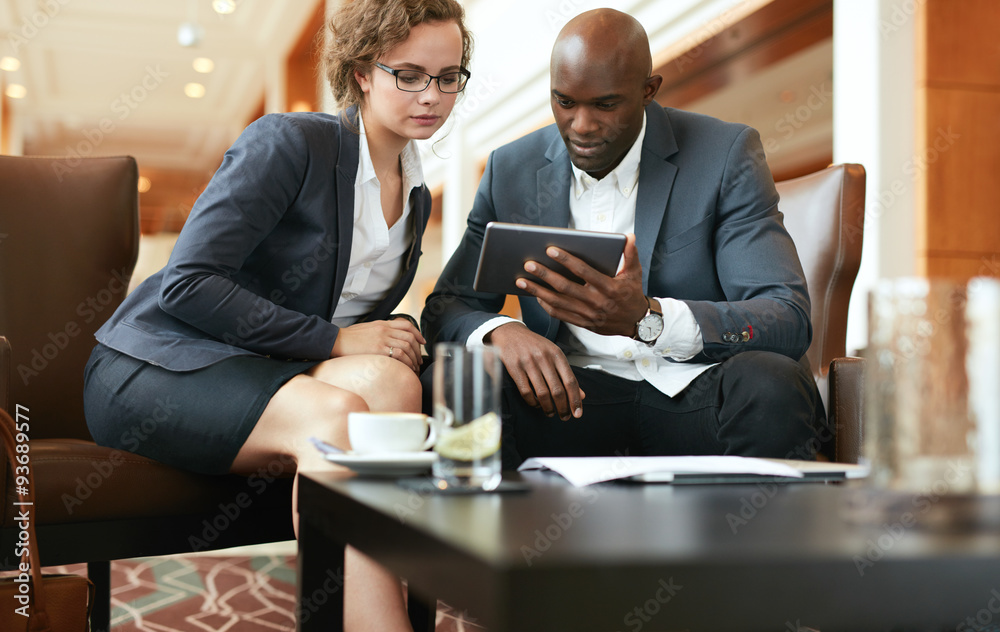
(386,463)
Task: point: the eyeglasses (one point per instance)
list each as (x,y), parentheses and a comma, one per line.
(416,81)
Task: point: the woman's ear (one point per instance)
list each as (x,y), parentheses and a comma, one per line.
(363,80)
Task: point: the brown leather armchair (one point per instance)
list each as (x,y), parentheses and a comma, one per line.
(68,243)
(825,214)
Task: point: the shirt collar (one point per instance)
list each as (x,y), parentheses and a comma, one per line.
(413,172)
(624,177)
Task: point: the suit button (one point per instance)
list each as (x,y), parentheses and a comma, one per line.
(746,336)
(728,337)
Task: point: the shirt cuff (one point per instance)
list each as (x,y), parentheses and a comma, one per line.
(680,339)
(479,334)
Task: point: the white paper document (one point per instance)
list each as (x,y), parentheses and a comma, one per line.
(582,471)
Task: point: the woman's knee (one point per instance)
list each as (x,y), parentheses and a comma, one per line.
(396,387)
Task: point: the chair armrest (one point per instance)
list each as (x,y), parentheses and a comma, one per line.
(847,403)
(5,375)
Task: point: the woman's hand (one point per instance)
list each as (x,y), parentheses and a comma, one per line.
(396,338)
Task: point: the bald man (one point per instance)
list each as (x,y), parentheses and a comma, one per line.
(697,344)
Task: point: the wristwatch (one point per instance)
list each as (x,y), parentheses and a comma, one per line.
(650,326)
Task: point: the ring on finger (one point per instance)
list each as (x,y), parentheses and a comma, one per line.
(391,351)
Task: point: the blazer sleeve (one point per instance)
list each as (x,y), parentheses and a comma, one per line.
(454,310)
(260,177)
(757,266)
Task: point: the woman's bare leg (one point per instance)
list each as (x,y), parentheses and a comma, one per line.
(317,404)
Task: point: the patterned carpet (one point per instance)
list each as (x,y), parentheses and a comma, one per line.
(214,594)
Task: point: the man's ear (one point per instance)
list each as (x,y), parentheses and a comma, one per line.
(651,87)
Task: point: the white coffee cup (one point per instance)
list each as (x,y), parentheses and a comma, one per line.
(373,433)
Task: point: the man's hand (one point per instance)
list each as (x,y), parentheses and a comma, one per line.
(397,338)
(540,370)
(605,305)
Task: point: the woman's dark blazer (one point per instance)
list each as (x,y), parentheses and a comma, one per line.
(261,261)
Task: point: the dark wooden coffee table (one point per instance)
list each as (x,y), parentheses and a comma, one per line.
(654,557)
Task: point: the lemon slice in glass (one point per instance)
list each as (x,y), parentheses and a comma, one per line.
(477,439)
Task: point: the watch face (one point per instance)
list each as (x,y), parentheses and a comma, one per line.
(650,327)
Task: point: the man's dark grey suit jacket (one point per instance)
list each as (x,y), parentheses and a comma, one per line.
(707,227)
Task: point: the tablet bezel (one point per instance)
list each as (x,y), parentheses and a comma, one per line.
(507,247)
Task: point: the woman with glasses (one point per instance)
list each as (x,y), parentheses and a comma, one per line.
(273,318)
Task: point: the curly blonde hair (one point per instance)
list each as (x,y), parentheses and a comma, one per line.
(361,31)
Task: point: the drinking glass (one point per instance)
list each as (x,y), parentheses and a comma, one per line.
(983,362)
(920,436)
(467,384)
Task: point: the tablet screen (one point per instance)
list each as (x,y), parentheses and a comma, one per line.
(507,247)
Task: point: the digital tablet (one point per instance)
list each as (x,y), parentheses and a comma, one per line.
(507,247)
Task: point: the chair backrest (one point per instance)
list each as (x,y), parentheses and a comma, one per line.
(69,238)
(824,213)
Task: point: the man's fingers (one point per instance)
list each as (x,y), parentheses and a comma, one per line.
(630,257)
(524,387)
(557,281)
(574,394)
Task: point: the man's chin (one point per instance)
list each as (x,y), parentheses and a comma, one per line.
(588,163)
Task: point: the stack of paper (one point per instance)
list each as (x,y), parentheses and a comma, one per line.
(582,471)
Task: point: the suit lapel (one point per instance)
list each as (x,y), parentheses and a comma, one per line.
(656,180)
(552,187)
(346,174)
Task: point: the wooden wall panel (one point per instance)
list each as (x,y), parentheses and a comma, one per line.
(963,41)
(962,157)
(964,266)
(958,160)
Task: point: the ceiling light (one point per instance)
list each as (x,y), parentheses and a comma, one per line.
(10,64)
(224,7)
(144,184)
(16,91)
(189,34)
(203,65)
(194,90)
